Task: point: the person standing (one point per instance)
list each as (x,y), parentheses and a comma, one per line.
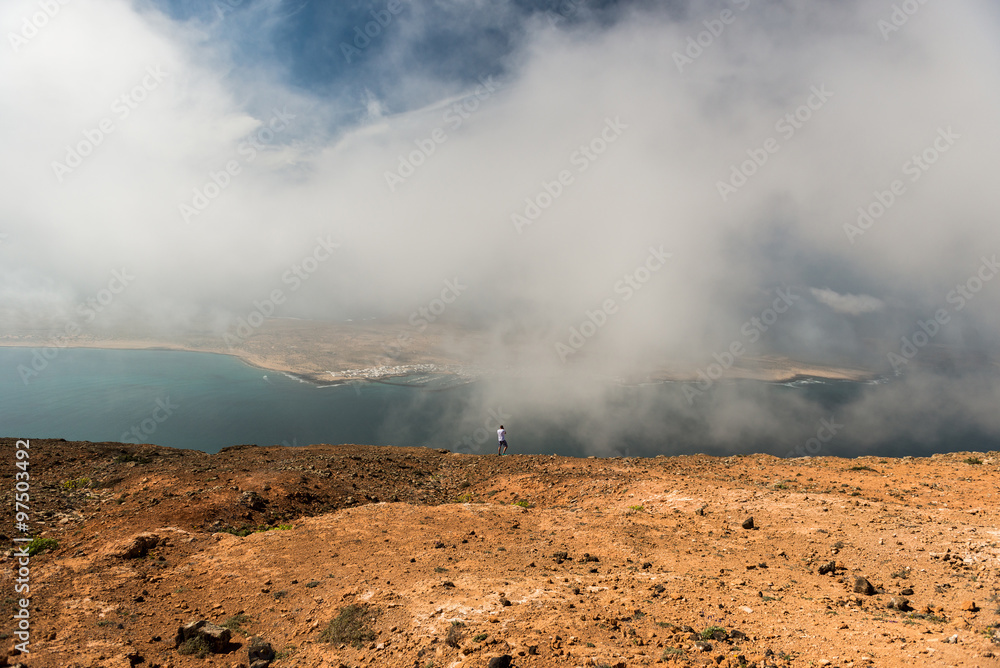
(502,438)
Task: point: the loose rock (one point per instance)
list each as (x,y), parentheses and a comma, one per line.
(863,586)
(134,547)
(260,653)
(216,636)
(900,603)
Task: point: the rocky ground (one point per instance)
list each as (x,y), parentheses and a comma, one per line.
(377,556)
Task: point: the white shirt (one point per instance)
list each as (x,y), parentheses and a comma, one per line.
(501,434)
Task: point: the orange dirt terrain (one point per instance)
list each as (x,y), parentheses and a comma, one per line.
(381,556)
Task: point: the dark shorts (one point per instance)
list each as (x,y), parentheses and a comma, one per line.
(503,444)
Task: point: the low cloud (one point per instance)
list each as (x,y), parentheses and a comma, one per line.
(848,304)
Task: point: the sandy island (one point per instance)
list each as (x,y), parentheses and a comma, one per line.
(333,353)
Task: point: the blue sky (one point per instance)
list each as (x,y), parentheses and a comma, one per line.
(314,45)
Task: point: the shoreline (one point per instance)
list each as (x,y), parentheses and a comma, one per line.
(382,373)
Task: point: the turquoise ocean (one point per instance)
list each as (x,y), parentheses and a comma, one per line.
(207,402)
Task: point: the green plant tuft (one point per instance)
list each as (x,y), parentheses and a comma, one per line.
(455,635)
(39,544)
(236,622)
(77,483)
(243,532)
(197,646)
(351,626)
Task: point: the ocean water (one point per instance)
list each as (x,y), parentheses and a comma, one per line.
(206,402)
(183,400)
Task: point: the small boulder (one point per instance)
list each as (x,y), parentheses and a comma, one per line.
(748,523)
(969,606)
(133,548)
(260,653)
(828,567)
(252,500)
(216,636)
(863,586)
(503,661)
(900,603)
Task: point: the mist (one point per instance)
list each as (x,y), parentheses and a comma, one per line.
(614,187)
